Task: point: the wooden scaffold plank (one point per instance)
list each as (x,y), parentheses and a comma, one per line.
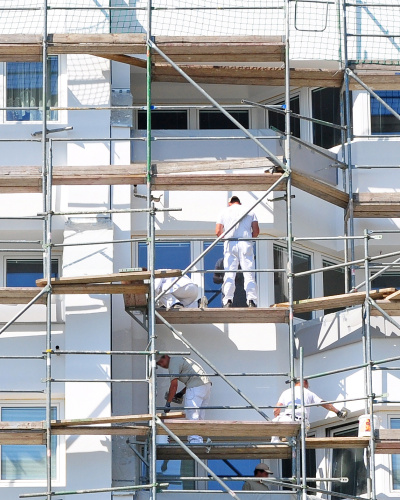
(133,276)
(20,295)
(189,316)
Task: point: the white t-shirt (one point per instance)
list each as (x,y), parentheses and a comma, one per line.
(286,400)
(232,214)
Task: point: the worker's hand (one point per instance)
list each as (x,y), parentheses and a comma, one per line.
(343,413)
(167,407)
(178,398)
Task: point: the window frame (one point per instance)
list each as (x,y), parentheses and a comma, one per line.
(60,477)
(311,277)
(199,111)
(61,115)
(330,432)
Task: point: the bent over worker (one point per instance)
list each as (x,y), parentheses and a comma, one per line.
(183,293)
(197,388)
(238,252)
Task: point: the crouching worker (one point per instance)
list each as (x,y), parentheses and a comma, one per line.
(261,471)
(182,294)
(197,390)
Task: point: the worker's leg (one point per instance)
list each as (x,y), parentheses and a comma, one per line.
(167,300)
(195,398)
(231,263)
(246,256)
(187,294)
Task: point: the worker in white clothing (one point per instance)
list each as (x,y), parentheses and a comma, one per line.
(261,471)
(238,252)
(286,400)
(197,390)
(182,294)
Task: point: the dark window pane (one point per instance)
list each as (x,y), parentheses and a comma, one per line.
(25,272)
(277,120)
(382,121)
(217,120)
(311,467)
(302,284)
(386,280)
(326,106)
(24,89)
(163,120)
(334,283)
(349,463)
(173,255)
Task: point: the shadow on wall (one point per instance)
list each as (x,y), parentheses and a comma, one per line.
(339,329)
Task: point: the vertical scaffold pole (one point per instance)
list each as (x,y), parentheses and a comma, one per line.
(368,356)
(151,264)
(348,144)
(304,421)
(46,190)
(289,218)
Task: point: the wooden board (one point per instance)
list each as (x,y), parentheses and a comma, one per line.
(123,430)
(20,295)
(251,451)
(337,442)
(118,419)
(390,307)
(99,288)
(320,189)
(216,182)
(133,276)
(229,428)
(248,75)
(331,302)
(188,316)
(23,437)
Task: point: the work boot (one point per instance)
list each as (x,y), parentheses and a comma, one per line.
(228,304)
(251,303)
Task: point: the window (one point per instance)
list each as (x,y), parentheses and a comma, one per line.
(326,106)
(212,289)
(349,463)
(25,272)
(311,467)
(386,280)
(277,120)
(26,462)
(302,284)
(234,468)
(163,120)
(382,121)
(395,424)
(169,470)
(216,120)
(24,89)
(169,255)
(334,283)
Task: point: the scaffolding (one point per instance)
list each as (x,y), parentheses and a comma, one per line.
(112,32)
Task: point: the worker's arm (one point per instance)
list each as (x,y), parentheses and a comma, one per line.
(219,229)
(172,390)
(277,411)
(330,407)
(255,229)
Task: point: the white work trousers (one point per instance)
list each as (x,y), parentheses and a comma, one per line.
(235,253)
(185,294)
(196,398)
